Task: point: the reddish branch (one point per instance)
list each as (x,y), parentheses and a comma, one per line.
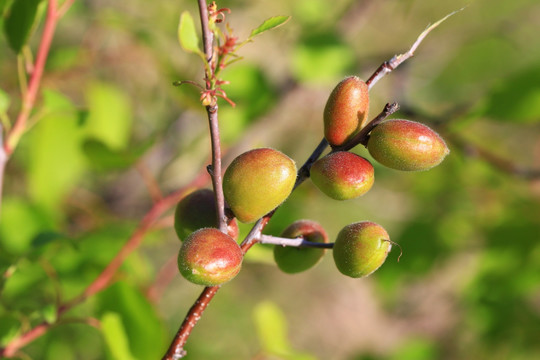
(215,173)
(106,277)
(29,98)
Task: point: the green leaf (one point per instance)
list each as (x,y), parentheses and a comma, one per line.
(4,4)
(10,327)
(104,158)
(4,101)
(115,336)
(49,313)
(271,327)
(517,98)
(110,116)
(19,224)
(187,34)
(269,24)
(321,58)
(142,325)
(19,22)
(55,159)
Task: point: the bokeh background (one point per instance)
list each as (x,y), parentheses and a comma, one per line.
(468,283)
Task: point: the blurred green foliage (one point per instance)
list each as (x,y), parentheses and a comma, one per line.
(468,283)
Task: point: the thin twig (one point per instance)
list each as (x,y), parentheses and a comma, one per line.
(105,278)
(498,162)
(165,275)
(394,62)
(33,86)
(303,172)
(297,242)
(149,180)
(14,345)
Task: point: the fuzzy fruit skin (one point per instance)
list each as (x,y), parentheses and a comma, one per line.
(257,182)
(346,110)
(343,175)
(292,260)
(198,210)
(209,257)
(406,145)
(361,248)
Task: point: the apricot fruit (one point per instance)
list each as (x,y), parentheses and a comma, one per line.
(361,248)
(346,110)
(198,210)
(406,145)
(342,175)
(209,257)
(292,259)
(257,182)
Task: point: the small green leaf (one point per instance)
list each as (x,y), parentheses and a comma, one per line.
(271,328)
(139,318)
(187,34)
(115,336)
(10,327)
(49,313)
(4,101)
(102,157)
(269,24)
(19,22)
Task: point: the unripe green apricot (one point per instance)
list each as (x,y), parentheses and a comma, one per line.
(292,259)
(406,145)
(198,210)
(346,110)
(257,182)
(361,248)
(342,175)
(209,257)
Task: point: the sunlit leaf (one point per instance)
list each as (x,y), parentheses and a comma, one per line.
(110,114)
(55,160)
(4,101)
(142,325)
(19,22)
(19,224)
(271,327)
(115,336)
(187,33)
(269,24)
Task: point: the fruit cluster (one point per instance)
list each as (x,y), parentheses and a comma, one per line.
(259,180)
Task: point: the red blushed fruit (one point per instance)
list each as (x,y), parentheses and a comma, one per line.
(343,175)
(346,111)
(292,259)
(198,210)
(209,257)
(406,145)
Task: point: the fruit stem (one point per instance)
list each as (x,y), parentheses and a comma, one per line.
(303,172)
(296,242)
(363,136)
